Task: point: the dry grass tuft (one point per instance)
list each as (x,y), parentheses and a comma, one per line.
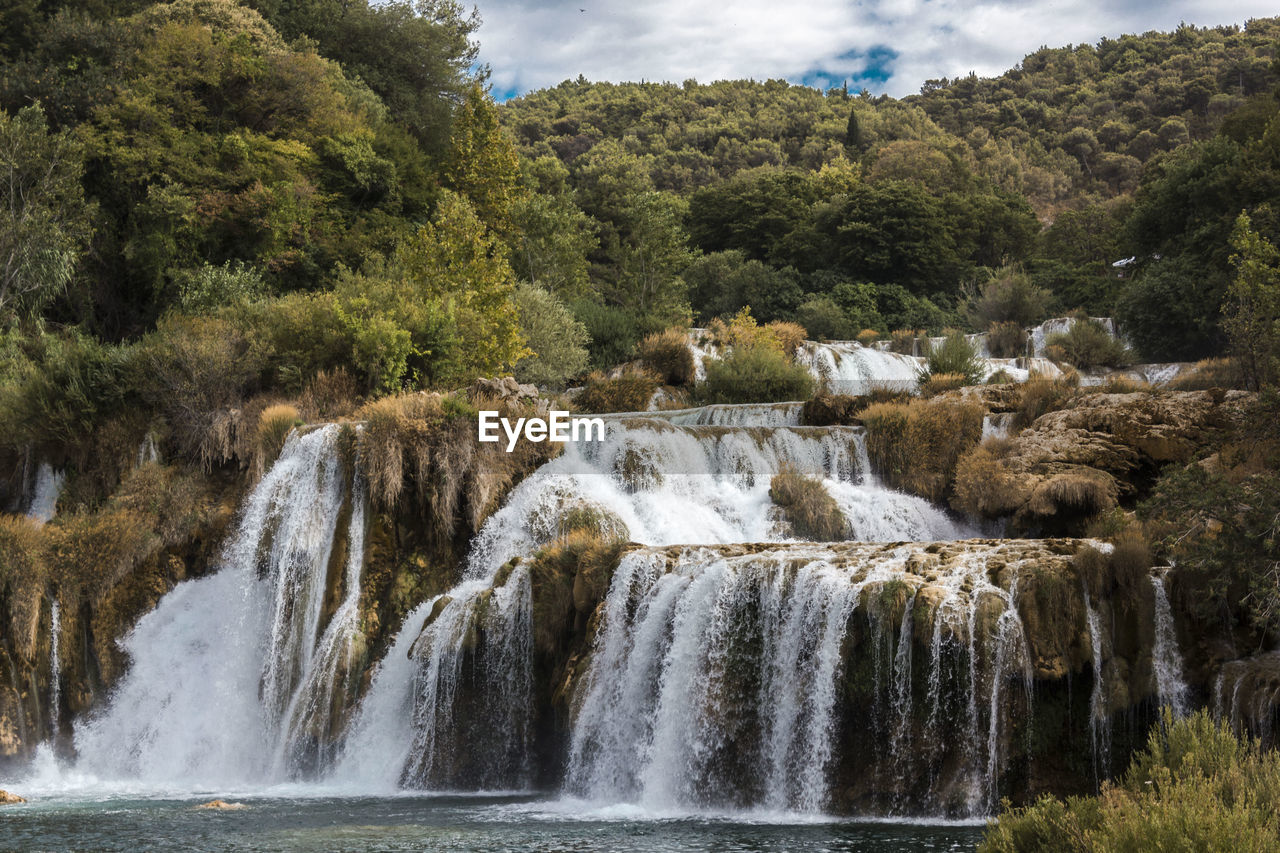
(1040,395)
(1211,373)
(1006,340)
(940,383)
(788,335)
(983,486)
(667,356)
(1081,492)
(274,425)
(868,337)
(808,506)
(902,341)
(630,391)
(329,395)
(915,446)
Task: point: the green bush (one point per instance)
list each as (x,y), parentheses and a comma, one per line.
(613,332)
(754,374)
(825,320)
(557,339)
(955,355)
(1196,786)
(1087,344)
(1009,296)
(207,287)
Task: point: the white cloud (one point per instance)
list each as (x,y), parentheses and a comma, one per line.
(531,45)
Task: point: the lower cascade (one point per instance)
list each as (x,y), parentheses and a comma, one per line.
(712,662)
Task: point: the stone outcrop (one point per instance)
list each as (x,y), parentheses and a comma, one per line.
(1104,450)
(8,799)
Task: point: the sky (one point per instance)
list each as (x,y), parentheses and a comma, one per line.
(886,46)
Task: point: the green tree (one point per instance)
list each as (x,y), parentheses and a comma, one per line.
(557,340)
(1252,306)
(44,221)
(482,163)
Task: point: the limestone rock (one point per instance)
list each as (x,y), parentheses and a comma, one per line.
(8,799)
(1076,462)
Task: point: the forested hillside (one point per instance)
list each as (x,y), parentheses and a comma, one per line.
(849,211)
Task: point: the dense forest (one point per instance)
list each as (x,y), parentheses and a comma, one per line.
(209,201)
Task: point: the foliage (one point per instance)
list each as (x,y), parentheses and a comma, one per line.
(207,287)
(1009,296)
(482,164)
(757,372)
(915,445)
(667,355)
(557,340)
(1195,787)
(44,220)
(807,506)
(629,391)
(955,356)
(1006,340)
(1252,308)
(1087,344)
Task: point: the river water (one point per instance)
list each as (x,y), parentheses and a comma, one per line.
(287,821)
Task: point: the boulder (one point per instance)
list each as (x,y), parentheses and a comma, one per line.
(7,799)
(1076,462)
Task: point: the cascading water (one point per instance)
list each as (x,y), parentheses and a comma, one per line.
(1099,717)
(48,488)
(55,670)
(720,678)
(1166,659)
(233,677)
(656,483)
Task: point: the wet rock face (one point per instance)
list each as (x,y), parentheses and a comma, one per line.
(1103,451)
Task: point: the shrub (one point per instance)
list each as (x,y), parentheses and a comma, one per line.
(825,319)
(788,335)
(1008,297)
(208,288)
(1210,373)
(667,356)
(1006,340)
(1000,377)
(629,391)
(613,332)
(902,341)
(742,331)
(1196,786)
(1087,344)
(868,337)
(330,394)
(954,356)
(915,446)
(751,374)
(558,340)
(984,488)
(1040,395)
(274,425)
(939,383)
(808,506)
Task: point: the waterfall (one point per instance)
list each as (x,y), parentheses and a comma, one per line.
(726,414)
(716,678)
(1099,716)
(656,483)
(1166,659)
(233,677)
(48,488)
(55,670)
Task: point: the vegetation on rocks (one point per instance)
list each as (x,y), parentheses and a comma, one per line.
(807,506)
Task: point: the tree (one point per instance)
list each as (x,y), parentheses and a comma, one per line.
(1252,306)
(44,222)
(557,340)
(482,163)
